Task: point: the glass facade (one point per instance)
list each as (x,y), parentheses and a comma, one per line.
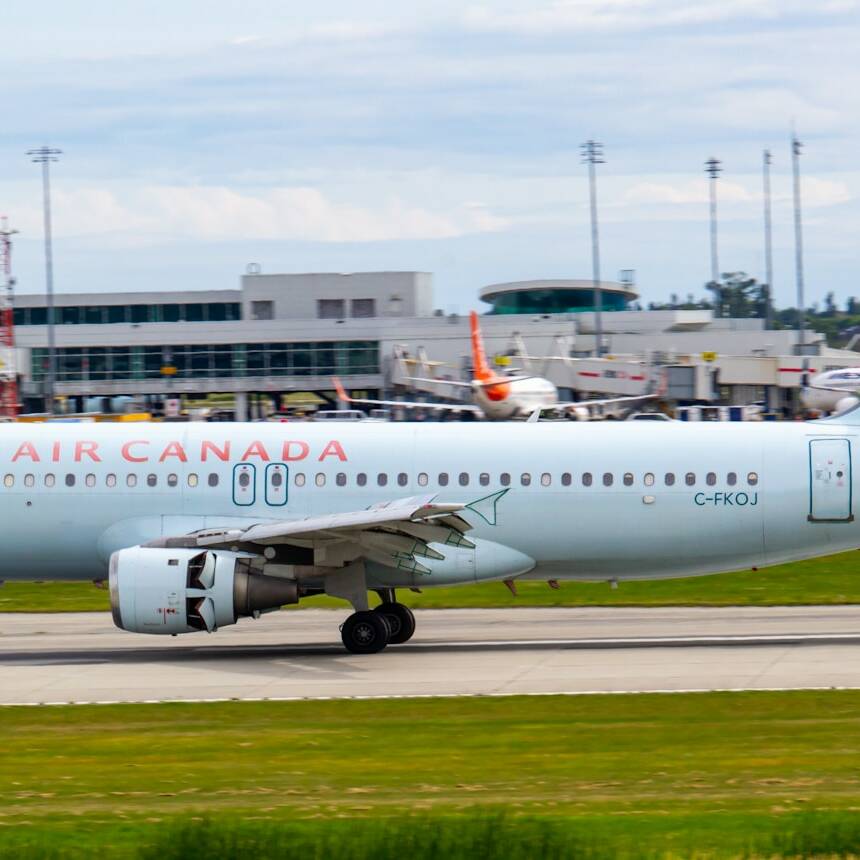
(105,314)
(188,361)
(555,301)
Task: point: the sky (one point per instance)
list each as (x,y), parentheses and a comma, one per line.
(199,137)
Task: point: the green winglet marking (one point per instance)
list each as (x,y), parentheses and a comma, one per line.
(485,507)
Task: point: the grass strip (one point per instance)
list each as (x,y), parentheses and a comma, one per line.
(728,773)
(831,580)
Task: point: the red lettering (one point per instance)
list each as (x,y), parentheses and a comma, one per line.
(303,451)
(220,453)
(127,455)
(55,452)
(256,449)
(333,449)
(88,448)
(26,449)
(173,449)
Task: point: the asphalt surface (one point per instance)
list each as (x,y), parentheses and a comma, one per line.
(82,657)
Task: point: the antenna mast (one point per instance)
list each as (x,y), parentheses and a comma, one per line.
(8,368)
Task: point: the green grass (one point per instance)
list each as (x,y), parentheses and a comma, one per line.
(719,773)
(834,579)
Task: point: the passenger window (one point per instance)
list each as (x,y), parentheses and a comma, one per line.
(382,479)
(29,480)
(752,479)
(340,479)
(131,480)
(464,479)
(9,480)
(172,479)
(300,479)
(732,478)
(545,479)
(70,480)
(566,479)
(628,479)
(484,479)
(319,480)
(361,479)
(525,479)
(213,479)
(152,480)
(690,479)
(607,479)
(402,479)
(423,478)
(711,479)
(192,479)
(505,479)
(586,479)
(648,479)
(90,480)
(49,480)
(443,479)
(110,480)
(670,479)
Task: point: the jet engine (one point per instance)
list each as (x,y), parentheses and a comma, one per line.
(168,591)
(844,404)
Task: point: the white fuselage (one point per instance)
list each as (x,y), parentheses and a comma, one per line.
(583,501)
(522,398)
(833,390)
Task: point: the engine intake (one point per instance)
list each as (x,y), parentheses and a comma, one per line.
(168,591)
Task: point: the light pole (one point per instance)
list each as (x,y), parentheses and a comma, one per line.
(798,243)
(592,154)
(713,169)
(44,155)
(768,245)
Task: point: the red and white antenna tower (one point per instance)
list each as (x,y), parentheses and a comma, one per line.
(8,369)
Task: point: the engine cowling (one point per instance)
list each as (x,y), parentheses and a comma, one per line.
(168,591)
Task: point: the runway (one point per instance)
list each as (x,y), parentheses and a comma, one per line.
(82,657)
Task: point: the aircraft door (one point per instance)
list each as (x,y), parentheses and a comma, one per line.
(244,484)
(830,479)
(276,484)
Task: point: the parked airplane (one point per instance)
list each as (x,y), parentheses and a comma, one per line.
(497,396)
(199,525)
(833,390)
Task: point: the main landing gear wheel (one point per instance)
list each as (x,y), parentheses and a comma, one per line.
(365,633)
(401,621)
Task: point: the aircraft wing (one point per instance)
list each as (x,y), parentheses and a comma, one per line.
(395,534)
(437,407)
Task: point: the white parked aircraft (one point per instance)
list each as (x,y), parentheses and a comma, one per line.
(496,396)
(199,525)
(833,391)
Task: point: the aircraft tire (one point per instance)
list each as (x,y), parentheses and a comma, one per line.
(401,622)
(365,633)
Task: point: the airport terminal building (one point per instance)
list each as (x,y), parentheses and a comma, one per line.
(281,333)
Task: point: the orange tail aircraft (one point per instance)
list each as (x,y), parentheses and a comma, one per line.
(497,397)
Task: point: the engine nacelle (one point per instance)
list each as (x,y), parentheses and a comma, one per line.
(167,591)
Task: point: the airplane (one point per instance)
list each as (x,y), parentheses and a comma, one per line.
(832,391)
(199,526)
(497,397)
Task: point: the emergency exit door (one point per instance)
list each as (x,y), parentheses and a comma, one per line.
(830,481)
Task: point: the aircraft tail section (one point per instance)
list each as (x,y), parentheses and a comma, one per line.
(481,368)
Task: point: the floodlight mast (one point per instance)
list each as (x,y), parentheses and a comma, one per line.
(44,155)
(9,369)
(592,154)
(796,146)
(768,242)
(713,168)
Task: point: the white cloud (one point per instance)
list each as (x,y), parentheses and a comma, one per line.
(213,213)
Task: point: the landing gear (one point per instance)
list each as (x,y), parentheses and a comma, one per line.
(365,633)
(401,621)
